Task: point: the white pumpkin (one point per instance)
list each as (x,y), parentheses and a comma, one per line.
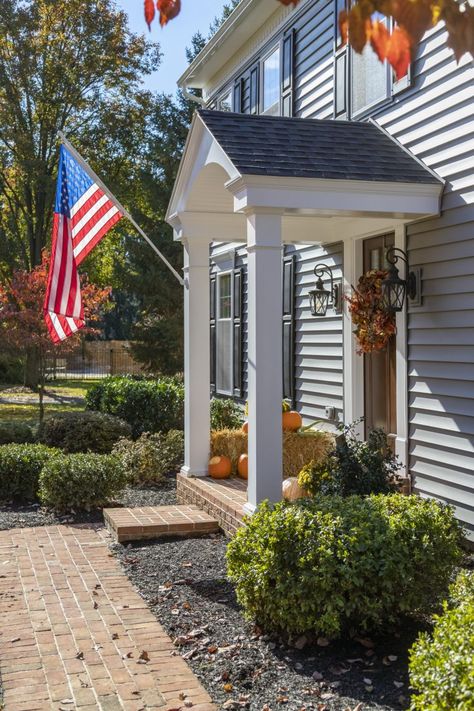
(291,490)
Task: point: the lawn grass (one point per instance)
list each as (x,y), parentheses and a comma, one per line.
(28,411)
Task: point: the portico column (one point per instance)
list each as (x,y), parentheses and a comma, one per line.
(264,357)
(196,357)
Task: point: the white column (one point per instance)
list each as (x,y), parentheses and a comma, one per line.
(196,357)
(264,358)
(353,371)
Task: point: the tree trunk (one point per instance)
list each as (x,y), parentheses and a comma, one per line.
(32,367)
(41,388)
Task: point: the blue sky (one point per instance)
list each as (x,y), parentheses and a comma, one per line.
(195,15)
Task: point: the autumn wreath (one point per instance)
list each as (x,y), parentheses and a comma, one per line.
(373,324)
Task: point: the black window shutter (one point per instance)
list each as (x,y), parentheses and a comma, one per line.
(237,292)
(287,74)
(213,342)
(288,285)
(254,90)
(237,107)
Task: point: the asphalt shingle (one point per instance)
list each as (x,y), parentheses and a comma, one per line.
(312,148)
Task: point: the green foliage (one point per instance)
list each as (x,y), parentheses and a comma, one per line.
(317,477)
(15,432)
(147,405)
(20,468)
(151,456)
(354,467)
(225,414)
(442,664)
(330,563)
(83,431)
(81,481)
(11,369)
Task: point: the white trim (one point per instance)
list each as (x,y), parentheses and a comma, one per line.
(401,441)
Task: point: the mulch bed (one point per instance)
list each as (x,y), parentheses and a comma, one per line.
(184,582)
(12,516)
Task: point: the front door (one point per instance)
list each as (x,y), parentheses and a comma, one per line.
(380,367)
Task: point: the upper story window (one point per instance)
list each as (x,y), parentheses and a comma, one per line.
(361,81)
(225,102)
(271,83)
(369,80)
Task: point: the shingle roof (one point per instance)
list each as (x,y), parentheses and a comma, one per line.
(312,148)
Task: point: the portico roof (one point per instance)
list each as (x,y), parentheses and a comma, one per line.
(307,148)
(319,174)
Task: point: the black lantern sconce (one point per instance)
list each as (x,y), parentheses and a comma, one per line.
(394,289)
(320,298)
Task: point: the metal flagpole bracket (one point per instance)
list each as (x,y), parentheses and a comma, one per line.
(112,197)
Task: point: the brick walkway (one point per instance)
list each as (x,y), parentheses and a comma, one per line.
(72,629)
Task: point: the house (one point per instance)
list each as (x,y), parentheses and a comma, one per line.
(302,155)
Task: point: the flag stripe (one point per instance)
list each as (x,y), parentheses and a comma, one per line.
(78,225)
(98,230)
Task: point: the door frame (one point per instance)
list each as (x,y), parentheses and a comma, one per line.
(354,363)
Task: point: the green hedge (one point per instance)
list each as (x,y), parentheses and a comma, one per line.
(442,664)
(151,456)
(81,481)
(226,414)
(147,405)
(83,432)
(20,468)
(15,433)
(329,563)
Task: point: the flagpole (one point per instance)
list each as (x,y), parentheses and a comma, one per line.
(112,197)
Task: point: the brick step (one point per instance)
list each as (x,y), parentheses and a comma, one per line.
(158,521)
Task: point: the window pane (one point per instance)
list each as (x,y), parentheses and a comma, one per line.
(368,80)
(224,296)
(225,104)
(271,80)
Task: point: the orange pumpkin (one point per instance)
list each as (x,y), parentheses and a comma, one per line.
(245,427)
(291,421)
(292,491)
(220,467)
(243,466)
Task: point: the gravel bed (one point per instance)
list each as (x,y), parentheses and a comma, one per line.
(184,582)
(12,516)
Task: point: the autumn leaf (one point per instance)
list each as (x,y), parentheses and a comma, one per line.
(168,10)
(359,28)
(398,52)
(149,12)
(379,39)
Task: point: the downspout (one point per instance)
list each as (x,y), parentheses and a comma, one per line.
(192,97)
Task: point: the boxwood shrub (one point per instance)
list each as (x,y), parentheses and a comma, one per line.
(15,433)
(147,405)
(326,564)
(442,664)
(20,468)
(83,431)
(81,481)
(151,456)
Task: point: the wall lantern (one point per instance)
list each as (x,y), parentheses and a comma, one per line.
(320,297)
(394,288)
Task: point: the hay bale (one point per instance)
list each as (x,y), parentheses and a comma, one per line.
(229,443)
(299,448)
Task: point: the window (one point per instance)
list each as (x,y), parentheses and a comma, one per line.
(225,102)
(369,80)
(271,82)
(224,334)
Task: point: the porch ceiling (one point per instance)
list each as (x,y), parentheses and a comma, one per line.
(328,179)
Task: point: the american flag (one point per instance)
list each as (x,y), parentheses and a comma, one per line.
(83,214)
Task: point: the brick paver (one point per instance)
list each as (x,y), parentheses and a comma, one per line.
(157,521)
(223,499)
(74,633)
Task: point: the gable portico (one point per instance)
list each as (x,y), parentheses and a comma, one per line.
(265,182)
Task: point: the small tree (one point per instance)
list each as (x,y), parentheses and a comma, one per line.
(22,324)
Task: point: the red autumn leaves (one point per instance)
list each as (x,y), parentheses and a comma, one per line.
(167,10)
(360,25)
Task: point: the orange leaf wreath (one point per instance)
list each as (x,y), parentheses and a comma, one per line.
(374,326)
